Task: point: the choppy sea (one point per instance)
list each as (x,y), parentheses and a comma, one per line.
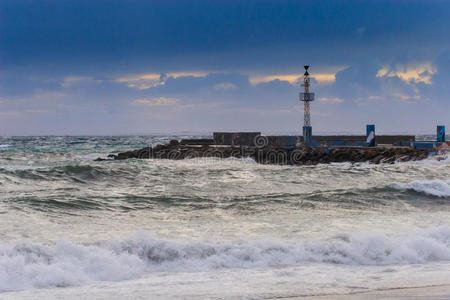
(72,227)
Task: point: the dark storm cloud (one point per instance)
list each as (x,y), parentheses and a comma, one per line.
(212,34)
(127,66)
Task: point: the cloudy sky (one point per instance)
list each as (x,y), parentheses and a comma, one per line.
(143,67)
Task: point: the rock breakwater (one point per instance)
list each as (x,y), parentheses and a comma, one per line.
(278,155)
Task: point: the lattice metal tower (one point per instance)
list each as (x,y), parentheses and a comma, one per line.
(307,97)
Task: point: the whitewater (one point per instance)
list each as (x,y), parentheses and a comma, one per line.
(72,227)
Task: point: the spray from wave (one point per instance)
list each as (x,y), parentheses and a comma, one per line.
(34,265)
(439,188)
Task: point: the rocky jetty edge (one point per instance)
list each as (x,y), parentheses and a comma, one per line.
(278,155)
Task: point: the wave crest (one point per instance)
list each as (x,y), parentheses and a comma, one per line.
(439,188)
(34,265)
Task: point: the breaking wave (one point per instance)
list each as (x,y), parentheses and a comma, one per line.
(439,188)
(70,171)
(34,265)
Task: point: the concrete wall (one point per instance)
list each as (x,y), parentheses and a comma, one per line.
(392,139)
(341,140)
(282,140)
(235,138)
(248,139)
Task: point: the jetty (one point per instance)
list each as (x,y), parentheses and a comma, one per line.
(306,149)
(293,150)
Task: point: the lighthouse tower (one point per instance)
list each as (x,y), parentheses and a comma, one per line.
(307,97)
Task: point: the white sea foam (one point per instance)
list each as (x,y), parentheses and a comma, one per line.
(439,188)
(92,156)
(218,160)
(247,160)
(34,265)
(440,159)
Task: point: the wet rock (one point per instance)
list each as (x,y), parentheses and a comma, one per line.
(173,143)
(305,156)
(370,154)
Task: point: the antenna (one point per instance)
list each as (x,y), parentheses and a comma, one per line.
(307,97)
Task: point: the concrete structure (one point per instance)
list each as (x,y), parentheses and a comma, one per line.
(236,138)
(307,134)
(291,141)
(370,135)
(284,141)
(441,133)
(440,142)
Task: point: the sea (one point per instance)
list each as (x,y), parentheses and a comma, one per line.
(211,228)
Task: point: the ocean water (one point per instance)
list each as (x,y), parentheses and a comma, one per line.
(213,228)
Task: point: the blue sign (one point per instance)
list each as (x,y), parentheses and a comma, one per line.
(307,134)
(441,133)
(370,135)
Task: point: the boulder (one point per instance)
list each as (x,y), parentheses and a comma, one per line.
(173,143)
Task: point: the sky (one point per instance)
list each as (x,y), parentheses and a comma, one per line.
(110,67)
